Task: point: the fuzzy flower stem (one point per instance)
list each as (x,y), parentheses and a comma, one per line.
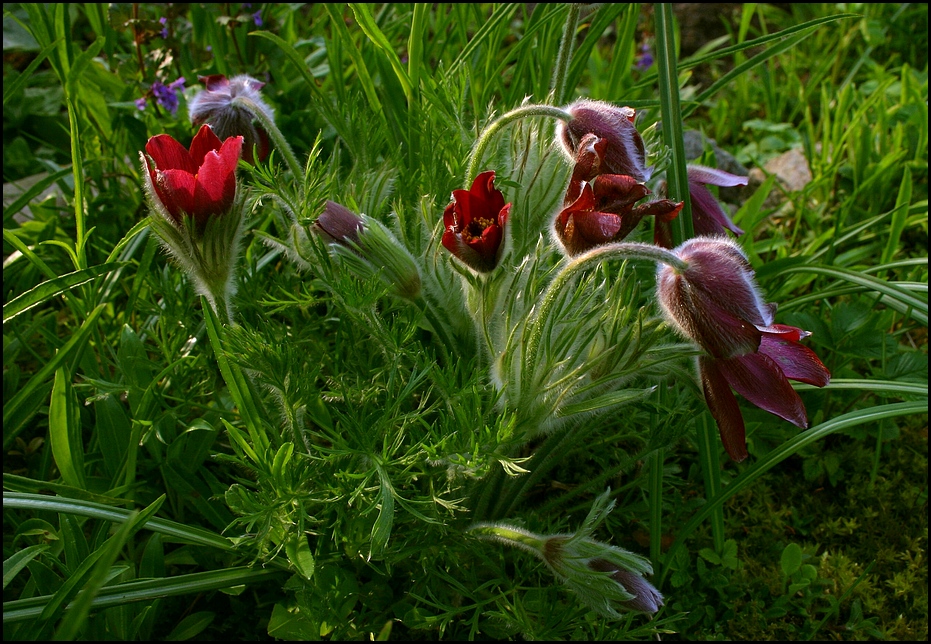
(511,536)
(619,250)
(274,133)
(565,52)
(518,113)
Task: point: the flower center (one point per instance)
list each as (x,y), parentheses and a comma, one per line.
(475,229)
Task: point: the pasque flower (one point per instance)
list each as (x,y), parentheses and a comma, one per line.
(716,303)
(338,224)
(474,223)
(600,208)
(199,215)
(199,182)
(215,106)
(708,217)
(603,576)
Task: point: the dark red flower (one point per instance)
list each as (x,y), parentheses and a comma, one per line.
(600,208)
(715,302)
(200,182)
(474,223)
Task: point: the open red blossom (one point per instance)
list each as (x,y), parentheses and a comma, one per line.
(474,223)
(600,208)
(715,302)
(200,182)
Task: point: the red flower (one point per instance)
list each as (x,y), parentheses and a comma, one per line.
(474,223)
(599,208)
(200,182)
(716,303)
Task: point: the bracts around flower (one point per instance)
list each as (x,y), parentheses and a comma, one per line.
(198,211)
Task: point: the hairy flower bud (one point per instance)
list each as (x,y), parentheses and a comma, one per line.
(215,106)
(625,152)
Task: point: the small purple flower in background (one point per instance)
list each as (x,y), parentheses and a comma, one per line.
(167,95)
(163,21)
(257,18)
(644,59)
(141,103)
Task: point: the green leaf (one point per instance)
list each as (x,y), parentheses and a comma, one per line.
(18,560)
(49,289)
(300,556)
(791,559)
(64,422)
(191,626)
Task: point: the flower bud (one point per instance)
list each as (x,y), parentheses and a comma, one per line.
(215,107)
(625,152)
(338,224)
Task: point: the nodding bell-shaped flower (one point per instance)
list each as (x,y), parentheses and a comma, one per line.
(716,303)
(199,182)
(625,152)
(475,222)
(709,219)
(600,208)
(215,106)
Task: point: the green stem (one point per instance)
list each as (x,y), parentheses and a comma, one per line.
(677,173)
(709,457)
(518,113)
(618,250)
(565,52)
(268,123)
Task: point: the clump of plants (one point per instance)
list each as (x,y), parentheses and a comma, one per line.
(361,322)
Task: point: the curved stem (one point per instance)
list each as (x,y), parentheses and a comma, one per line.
(518,113)
(619,250)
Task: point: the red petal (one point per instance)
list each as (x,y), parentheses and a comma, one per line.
(176,188)
(759,379)
(168,154)
(797,361)
(204,141)
(724,409)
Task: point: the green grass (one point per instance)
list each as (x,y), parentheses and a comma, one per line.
(311,471)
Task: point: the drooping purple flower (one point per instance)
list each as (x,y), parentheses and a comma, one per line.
(624,153)
(164,22)
(716,303)
(257,18)
(215,106)
(601,208)
(708,216)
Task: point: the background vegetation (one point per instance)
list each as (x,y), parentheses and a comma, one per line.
(141,503)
